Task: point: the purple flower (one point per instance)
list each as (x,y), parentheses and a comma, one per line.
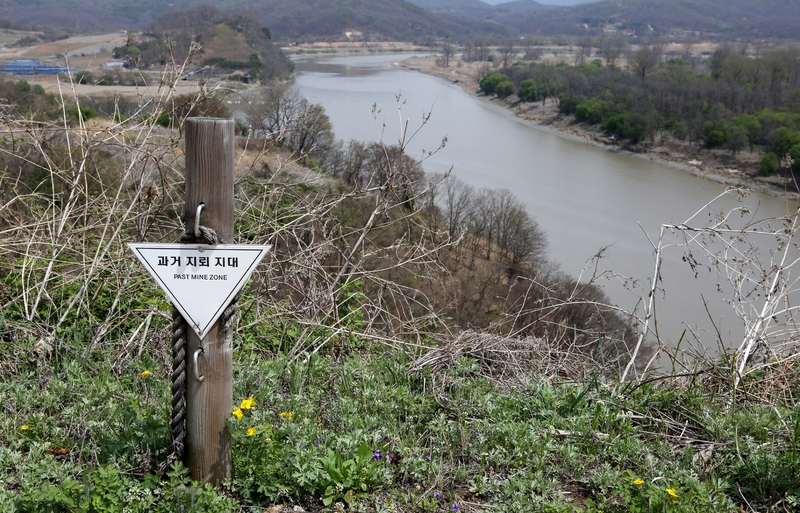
(376,455)
(437,496)
(428,457)
(455,507)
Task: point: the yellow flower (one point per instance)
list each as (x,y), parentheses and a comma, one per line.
(269,439)
(639,481)
(238,413)
(145,373)
(25,427)
(286,415)
(251,431)
(248,403)
(672,493)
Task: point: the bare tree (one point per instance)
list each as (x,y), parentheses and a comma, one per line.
(310,132)
(476,50)
(547,81)
(447,53)
(456,203)
(280,105)
(507,52)
(287,118)
(583,50)
(612,50)
(687,45)
(532,52)
(645,60)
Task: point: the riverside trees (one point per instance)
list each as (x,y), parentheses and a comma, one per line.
(733,101)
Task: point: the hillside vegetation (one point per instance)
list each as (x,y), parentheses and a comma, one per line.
(407,347)
(706,18)
(224,42)
(288,19)
(429,21)
(740,109)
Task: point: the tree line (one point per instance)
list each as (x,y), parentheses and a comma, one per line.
(733,100)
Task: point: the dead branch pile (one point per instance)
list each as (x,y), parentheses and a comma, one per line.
(507,359)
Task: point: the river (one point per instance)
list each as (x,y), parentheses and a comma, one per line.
(584,198)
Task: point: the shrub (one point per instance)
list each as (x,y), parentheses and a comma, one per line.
(83,77)
(770,164)
(783,139)
(634,128)
(568,103)
(489,82)
(106,80)
(615,123)
(83,113)
(528,92)
(591,111)
(714,138)
(504,88)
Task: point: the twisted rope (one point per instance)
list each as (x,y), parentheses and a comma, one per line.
(177,425)
(208,234)
(230,312)
(178,421)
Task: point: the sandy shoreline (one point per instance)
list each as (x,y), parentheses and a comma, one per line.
(716,165)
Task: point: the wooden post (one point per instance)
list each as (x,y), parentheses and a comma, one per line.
(209,403)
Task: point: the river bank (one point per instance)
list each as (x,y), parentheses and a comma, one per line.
(719,166)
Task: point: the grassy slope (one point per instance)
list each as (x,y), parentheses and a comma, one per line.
(507,425)
(459,432)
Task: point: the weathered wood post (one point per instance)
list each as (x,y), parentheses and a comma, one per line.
(209,403)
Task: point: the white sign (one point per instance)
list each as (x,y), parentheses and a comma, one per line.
(200,280)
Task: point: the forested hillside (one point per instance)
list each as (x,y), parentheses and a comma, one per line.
(231,42)
(375,19)
(470,8)
(288,19)
(731,102)
(431,20)
(709,18)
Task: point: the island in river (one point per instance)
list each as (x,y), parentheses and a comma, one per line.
(742,170)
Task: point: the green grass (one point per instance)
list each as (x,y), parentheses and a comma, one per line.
(358,429)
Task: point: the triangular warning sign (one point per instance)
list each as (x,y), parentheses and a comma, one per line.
(200,280)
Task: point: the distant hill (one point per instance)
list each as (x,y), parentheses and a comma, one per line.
(375,19)
(89,15)
(478,9)
(430,21)
(467,8)
(520,6)
(546,2)
(288,19)
(727,19)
